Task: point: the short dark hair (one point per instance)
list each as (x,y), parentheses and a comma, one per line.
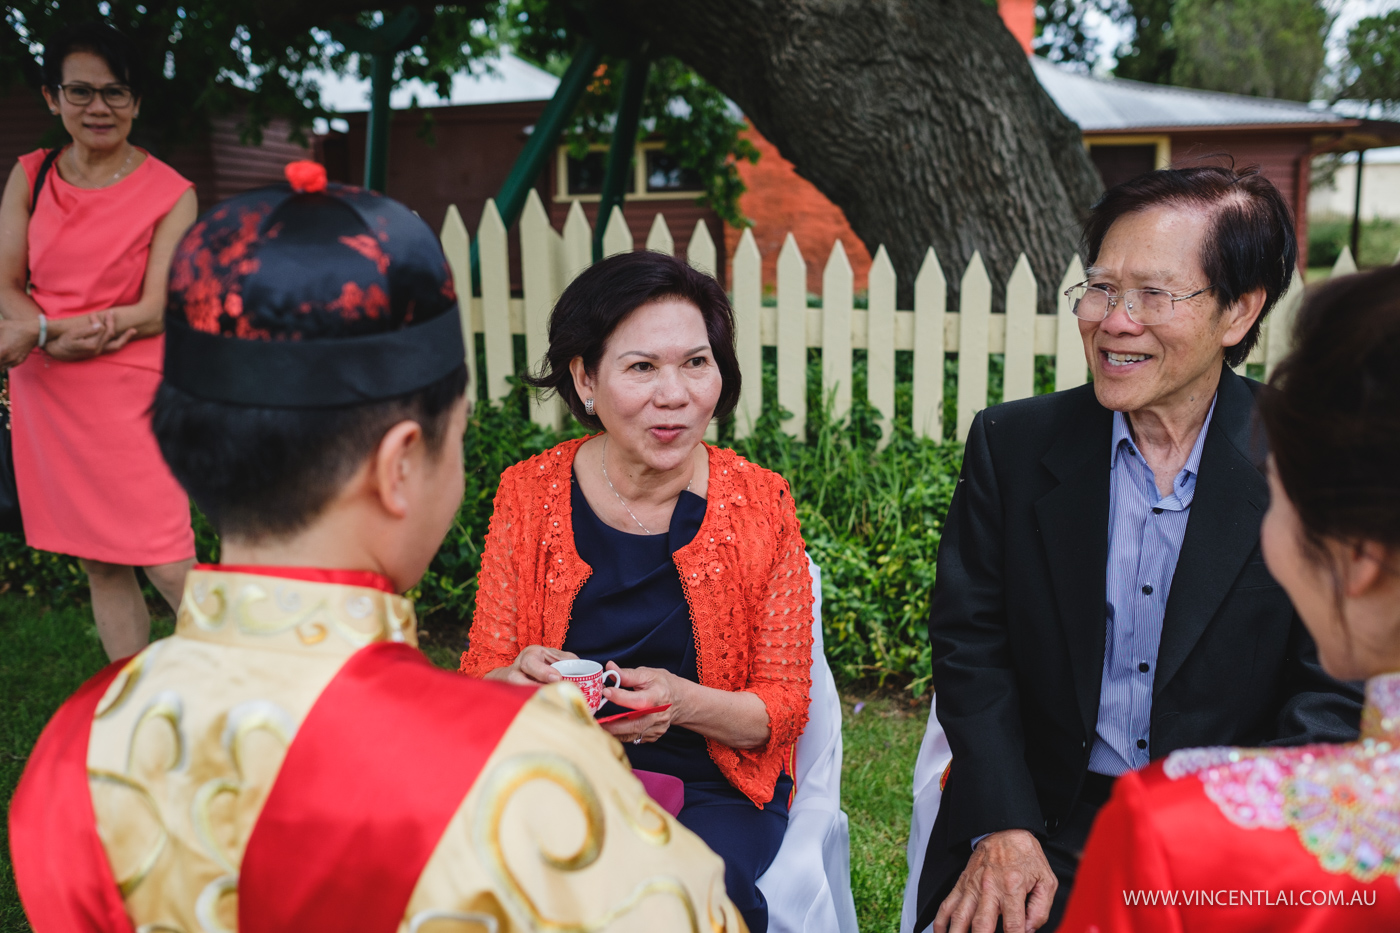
(107,42)
(1250,242)
(602,296)
(259,473)
(1333,412)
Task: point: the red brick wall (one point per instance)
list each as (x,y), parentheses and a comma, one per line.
(777,201)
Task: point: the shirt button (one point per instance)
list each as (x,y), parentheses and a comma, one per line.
(1144,666)
(1156,511)
(1147,589)
(1142,743)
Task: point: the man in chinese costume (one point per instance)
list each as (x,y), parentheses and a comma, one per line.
(287,760)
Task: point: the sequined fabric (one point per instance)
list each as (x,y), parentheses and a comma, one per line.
(1343,801)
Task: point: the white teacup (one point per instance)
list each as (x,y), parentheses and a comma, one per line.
(589,677)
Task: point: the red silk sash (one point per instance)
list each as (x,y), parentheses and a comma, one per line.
(61,869)
(367,788)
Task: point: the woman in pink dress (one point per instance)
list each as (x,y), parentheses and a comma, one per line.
(82,293)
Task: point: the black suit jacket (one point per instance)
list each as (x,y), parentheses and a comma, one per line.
(1018,620)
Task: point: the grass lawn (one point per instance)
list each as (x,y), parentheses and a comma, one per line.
(46,653)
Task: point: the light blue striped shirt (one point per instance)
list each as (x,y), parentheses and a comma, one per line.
(1145,531)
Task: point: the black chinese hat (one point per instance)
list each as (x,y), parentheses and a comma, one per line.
(309,295)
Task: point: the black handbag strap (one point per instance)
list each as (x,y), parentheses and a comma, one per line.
(49,160)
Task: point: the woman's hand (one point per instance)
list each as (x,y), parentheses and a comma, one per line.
(642,688)
(532,666)
(17,339)
(82,338)
(737,718)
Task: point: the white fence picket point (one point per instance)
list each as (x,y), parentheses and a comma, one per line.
(457,247)
(748,306)
(659,239)
(537,269)
(1071,370)
(701,253)
(617,236)
(1278,337)
(1018,371)
(578,244)
(974,321)
(837,305)
(930,306)
(792,337)
(493,253)
(880,353)
(1345,264)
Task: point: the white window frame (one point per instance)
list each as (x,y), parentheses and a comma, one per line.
(1162,141)
(639,166)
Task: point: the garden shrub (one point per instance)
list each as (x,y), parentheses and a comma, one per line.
(1380,241)
(871,518)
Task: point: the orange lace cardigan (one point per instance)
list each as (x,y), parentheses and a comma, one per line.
(745,579)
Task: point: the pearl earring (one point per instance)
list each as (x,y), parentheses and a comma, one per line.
(588,406)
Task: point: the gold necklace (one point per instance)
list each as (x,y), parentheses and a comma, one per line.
(619,495)
(115,178)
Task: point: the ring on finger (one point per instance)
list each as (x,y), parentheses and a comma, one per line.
(637,740)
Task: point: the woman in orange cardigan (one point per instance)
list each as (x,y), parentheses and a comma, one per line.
(679,565)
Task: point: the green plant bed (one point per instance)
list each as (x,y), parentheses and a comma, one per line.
(1380,241)
(46,652)
(872,519)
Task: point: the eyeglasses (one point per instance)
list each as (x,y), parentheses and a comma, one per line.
(116,96)
(1145,306)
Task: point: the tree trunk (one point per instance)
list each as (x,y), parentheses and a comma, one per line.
(921,119)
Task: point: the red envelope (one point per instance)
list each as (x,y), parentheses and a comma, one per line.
(634,714)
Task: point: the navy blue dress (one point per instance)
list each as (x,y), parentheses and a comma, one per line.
(632,611)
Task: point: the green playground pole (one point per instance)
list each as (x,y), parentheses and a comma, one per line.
(624,143)
(532,159)
(377,130)
(382,45)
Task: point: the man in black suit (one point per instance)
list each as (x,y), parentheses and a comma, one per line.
(1101,599)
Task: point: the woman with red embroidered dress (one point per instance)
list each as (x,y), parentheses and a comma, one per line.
(1307,838)
(83,268)
(677,564)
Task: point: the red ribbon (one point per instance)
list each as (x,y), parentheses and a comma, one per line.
(379,767)
(61,869)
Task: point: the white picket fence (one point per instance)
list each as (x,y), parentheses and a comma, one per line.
(550,259)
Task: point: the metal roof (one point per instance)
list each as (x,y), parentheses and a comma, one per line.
(1119,105)
(505,79)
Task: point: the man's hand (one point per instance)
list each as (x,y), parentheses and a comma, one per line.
(1005,870)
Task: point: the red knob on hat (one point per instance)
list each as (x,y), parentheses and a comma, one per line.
(306,176)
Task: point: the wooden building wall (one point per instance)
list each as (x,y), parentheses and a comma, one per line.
(464,155)
(1283,156)
(219,164)
(24,120)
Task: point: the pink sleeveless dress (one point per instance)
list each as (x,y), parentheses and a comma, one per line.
(91,479)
